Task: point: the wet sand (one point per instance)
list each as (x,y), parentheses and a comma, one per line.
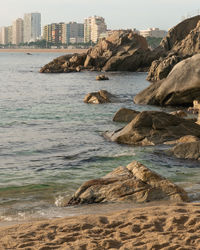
(172,226)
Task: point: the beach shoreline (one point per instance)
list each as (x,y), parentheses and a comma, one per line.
(168,226)
(43,50)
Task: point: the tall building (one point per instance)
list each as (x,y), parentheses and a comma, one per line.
(93,28)
(17,31)
(53,33)
(6,35)
(32,27)
(153,32)
(73,33)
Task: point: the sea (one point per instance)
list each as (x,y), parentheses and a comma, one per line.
(51,141)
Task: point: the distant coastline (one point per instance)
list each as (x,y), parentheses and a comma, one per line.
(45,50)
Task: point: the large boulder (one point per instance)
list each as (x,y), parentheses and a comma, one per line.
(134,182)
(181,87)
(123,50)
(125,115)
(102,96)
(154,127)
(182,41)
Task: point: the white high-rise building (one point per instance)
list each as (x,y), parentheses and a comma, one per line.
(17,31)
(93,28)
(32,27)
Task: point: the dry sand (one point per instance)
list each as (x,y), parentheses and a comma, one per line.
(172,226)
(45,50)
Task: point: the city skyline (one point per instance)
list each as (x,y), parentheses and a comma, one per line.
(118,14)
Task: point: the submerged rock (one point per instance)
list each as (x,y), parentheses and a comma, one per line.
(135,182)
(181,87)
(154,127)
(101,78)
(102,96)
(187,150)
(125,115)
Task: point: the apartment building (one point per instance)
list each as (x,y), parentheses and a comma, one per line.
(153,32)
(18,31)
(32,27)
(53,33)
(73,32)
(93,28)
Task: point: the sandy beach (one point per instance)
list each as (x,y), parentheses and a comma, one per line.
(171,226)
(44,50)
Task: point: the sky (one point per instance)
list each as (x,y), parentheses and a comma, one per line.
(118,14)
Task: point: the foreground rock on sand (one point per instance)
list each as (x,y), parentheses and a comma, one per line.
(162,226)
(135,182)
(154,127)
(182,41)
(122,51)
(181,87)
(125,115)
(102,96)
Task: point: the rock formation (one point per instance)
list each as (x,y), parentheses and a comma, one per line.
(181,87)
(154,127)
(125,115)
(122,51)
(102,96)
(181,42)
(134,182)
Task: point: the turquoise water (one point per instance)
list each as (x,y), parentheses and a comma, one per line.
(51,142)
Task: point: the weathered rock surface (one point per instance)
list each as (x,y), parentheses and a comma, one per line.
(187,150)
(181,42)
(179,113)
(101,78)
(181,87)
(102,96)
(135,182)
(125,115)
(154,127)
(122,51)
(184,139)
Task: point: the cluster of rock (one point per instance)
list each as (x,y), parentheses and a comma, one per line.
(181,42)
(134,182)
(176,75)
(152,128)
(180,88)
(122,51)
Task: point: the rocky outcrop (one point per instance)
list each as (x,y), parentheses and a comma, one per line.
(125,115)
(181,42)
(181,87)
(122,51)
(102,96)
(154,127)
(134,182)
(161,68)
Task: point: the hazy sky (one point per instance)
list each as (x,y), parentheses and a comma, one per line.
(139,14)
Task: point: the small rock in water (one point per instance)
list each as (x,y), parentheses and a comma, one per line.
(102,96)
(101,78)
